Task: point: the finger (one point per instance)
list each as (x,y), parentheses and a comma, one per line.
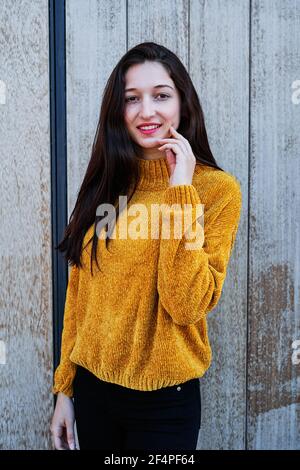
(173,130)
(174,141)
(180,137)
(187,155)
(59,438)
(177,134)
(166,140)
(70,435)
(175,146)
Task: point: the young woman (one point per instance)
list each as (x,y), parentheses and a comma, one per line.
(135,340)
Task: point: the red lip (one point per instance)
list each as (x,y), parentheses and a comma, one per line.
(149,124)
(149,131)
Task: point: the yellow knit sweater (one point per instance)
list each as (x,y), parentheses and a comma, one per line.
(140,321)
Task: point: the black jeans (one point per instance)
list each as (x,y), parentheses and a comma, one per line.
(109,416)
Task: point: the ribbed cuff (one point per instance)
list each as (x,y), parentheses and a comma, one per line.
(182,213)
(67,390)
(182,194)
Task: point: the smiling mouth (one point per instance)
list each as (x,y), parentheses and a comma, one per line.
(149,131)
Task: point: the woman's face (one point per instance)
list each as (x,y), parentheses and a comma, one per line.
(148,103)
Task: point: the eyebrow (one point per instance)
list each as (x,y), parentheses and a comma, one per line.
(156,86)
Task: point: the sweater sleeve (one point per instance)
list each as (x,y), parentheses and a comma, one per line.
(190,280)
(66,370)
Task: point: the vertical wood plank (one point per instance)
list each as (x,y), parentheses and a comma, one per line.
(95,41)
(219,54)
(274,321)
(166,23)
(26,402)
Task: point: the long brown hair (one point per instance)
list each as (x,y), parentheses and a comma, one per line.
(113,168)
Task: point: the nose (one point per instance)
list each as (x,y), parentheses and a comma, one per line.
(147,108)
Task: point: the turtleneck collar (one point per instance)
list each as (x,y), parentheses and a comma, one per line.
(154,174)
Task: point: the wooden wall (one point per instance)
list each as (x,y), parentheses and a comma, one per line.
(26,404)
(243,57)
(274,228)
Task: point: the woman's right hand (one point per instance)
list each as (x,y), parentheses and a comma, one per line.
(62,425)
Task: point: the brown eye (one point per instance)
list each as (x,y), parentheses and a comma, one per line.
(129,99)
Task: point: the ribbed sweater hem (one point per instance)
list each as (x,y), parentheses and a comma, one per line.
(143,382)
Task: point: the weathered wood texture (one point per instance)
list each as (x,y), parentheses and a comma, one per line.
(95,40)
(26,402)
(219,67)
(243,57)
(274,236)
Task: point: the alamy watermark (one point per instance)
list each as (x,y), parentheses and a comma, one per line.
(177,222)
(2,92)
(296,93)
(2,352)
(296,352)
